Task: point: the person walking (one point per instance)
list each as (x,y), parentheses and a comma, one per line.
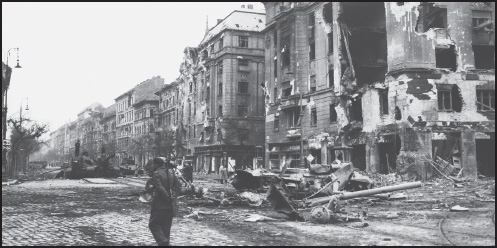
(188,173)
(166,187)
(224,174)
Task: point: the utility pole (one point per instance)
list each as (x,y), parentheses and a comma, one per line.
(302,161)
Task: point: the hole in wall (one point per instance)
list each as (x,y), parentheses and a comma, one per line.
(398,114)
(485,156)
(446,58)
(484,56)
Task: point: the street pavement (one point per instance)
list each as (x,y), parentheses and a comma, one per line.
(62,222)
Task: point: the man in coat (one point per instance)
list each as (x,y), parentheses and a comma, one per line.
(164,206)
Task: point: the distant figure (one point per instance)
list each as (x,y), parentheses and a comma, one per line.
(76,151)
(187,172)
(224,174)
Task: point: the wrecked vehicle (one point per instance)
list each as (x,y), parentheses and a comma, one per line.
(84,167)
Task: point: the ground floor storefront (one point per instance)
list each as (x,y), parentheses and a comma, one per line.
(235,157)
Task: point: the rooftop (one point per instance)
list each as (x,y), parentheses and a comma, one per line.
(243,20)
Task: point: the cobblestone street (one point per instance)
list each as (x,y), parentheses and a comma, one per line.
(78,212)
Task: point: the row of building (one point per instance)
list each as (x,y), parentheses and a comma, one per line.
(388,86)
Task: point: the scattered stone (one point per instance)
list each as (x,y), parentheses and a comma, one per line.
(458,208)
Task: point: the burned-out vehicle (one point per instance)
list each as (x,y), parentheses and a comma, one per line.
(128,167)
(85,167)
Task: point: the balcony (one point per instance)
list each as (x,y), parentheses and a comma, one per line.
(294,133)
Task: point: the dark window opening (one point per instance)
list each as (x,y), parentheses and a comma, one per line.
(220,69)
(285,51)
(276,123)
(221,43)
(431,17)
(484,57)
(446,58)
(359,157)
(312,19)
(485,100)
(313,83)
(331,78)
(314,117)
(383,102)
(243,62)
(220,111)
(316,153)
(275,94)
(275,38)
(333,114)
(208,93)
(287,92)
(330,43)
(356,110)
(220,89)
(151,113)
(388,153)
(398,114)
(485,156)
(275,68)
(243,41)
(294,118)
(242,87)
(242,110)
(312,51)
(328,13)
(444,100)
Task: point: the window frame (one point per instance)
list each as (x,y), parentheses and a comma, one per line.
(314,117)
(243,40)
(243,87)
(480,97)
(441,95)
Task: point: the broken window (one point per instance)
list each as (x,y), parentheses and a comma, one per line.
(398,114)
(446,58)
(444,100)
(311,31)
(313,83)
(285,47)
(220,111)
(312,51)
(333,114)
(287,89)
(331,78)
(294,118)
(243,41)
(356,113)
(431,16)
(383,101)
(330,43)
(242,87)
(242,110)
(484,56)
(449,98)
(314,117)
(485,100)
(276,123)
(316,153)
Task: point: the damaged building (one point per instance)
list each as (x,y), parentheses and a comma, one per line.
(387,86)
(221,104)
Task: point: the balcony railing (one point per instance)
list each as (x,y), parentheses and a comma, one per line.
(294,133)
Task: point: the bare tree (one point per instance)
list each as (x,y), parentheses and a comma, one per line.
(25,137)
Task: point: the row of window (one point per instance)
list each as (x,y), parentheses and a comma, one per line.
(143,113)
(243,41)
(485,102)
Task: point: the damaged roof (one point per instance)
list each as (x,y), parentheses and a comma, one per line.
(110,111)
(246,20)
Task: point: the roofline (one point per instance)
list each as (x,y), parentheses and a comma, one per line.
(241,11)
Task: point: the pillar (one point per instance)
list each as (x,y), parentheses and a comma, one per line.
(468,156)
(460,27)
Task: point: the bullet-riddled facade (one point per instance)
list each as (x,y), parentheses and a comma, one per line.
(396,83)
(221,115)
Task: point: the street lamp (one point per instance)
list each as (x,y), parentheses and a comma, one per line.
(8,55)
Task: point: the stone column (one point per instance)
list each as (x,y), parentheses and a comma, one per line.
(468,158)
(372,158)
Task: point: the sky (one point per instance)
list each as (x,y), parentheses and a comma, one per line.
(75,54)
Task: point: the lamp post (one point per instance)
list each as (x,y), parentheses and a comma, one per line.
(6,74)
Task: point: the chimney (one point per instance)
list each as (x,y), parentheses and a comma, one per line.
(250,6)
(243,6)
(219,20)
